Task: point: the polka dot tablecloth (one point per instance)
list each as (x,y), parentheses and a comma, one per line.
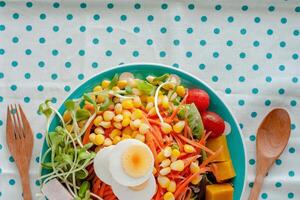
(248,51)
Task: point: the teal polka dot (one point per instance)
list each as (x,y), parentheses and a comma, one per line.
(177,18)
(230,19)
(11,159)
(253,114)
(12,182)
(15,39)
(297,9)
(241,125)
(256,43)
(40,88)
(293,103)
(43,16)
(14,63)
(251,184)
(1,75)
(244,8)
(203,18)
(16,16)
(292,150)
(27,75)
(215,78)
(83,5)
(108,53)
(215,54)
(42,40)
(271,8)
(243,31)
(55,52)
(69,40)
(163,30)
(54,76)
(137,6)
(81,52)
(1,99)
(176,42)
(109,29)
(264,195)
(95,41)
(55,28)
(295,56)
(164,6)
(0,146)
(267,102)
(268,55)
(110,6)
(216,30)
(56,5)
(278,184)
(94,65)
(41,64)
(270,32)
(291,173)
(26,99)
(68,64)
(69,16)
(2,51)
(229,43)
(290,195)
(175,65)
(295,80)
(82,28)
(252,138)
(80,76)
(283,20)
(189,30)
(242,55)
(123,17)
(228,67)
(2,27)
(268,79)
(67,88)
(2,3)
(135,53)
(188,54)
(218,7)
(37,159)
(256,19)
(296,32)
(39,136)
(96,17)
(281,91)
(278,162)
(53,100)
(136,29)
(162,54)
(202,42)
(13,87)
(122,41)
(242,79)
(281,67)
(1,122)
(251,161)
(150,18)
(191,6)
(241,102)
(293,126)
(282,44)
(37,183)
(227,90)
(201,66)
(28,51)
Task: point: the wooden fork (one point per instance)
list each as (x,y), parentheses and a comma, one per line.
(20,143)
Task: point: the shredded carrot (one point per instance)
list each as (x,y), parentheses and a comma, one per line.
(101,190)
(185,131)
(158,132)
(86,136)
(89,107)
(96,184)
(153,121)
(190,134)
(108,131)
(112,197)
(212,157)
(158,193)
(204,138)
(150,144)
(179,143)
(189,160)
(181,187)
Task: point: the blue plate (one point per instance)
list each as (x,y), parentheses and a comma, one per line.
(141,70)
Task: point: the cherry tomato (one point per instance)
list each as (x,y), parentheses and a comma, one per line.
(199,97)
(214,123)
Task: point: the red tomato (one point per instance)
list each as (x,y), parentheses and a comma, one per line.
(199,97)
(214,123)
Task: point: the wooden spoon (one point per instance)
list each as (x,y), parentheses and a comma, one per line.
(272,137)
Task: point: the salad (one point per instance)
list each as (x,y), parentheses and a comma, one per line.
(139,139)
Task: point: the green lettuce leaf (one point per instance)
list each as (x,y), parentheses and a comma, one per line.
(194,120)
(146,87)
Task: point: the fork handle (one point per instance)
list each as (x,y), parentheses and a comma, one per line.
(26,185)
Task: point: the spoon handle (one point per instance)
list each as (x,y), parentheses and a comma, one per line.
(259,179)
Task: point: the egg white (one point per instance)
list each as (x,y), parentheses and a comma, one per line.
(101,164)
(116,168)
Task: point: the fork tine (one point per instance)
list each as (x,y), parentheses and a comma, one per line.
(21,126)
(24,121)
(9,125)
(16,125)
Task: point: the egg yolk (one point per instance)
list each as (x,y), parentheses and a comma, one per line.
(136,161)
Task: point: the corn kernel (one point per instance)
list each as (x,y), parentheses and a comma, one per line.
(118,118)
(136,114)
(125,137)
(137,123)
(179,126)
(169,196)
(175,154)
(98,120)
(137,102)
(105,83)
(117,125)
(178,165)
(100,99)
(144,128)
(69,128)
(67,116)
(196,180)
(127,131)
(108,115)
(160,156)
(166,128)
(188,148)
(81,123)
(167,152)
(127,104)
(126,113)
(180,90)
(115,88)
(169,86)
(116,140)
(149,106)
(140,137)
(165,163)
(172,187)
(99,130)
(165,102)
(152,112)
(122,84)
(125,122)
(92,137)
(160,98)
(114,133)
(107,142)
(134,133)
(105,124)
(194,167)
(99,139)
(154,171)
(136,92)
(97,88)
(150,99)
(165,171)
(144,98)
(163,181)
(118,108)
